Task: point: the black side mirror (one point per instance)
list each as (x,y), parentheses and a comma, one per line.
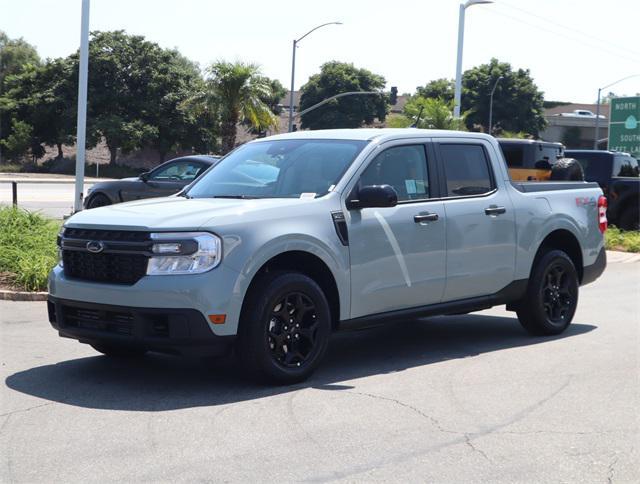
(373,196)
(144,176)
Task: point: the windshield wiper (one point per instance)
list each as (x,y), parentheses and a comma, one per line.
(183,194)
(240,197)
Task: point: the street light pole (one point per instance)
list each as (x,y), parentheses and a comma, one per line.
(491,105)
(293,68)
(458,87)
(597,133)
(82,105)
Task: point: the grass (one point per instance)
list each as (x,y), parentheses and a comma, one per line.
(27,248)
(627,241)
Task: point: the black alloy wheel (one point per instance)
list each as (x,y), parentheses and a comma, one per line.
(558,297)
(285,327)
(292,330)
(551,299)
(98,200)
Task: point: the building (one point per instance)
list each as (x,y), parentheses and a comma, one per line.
(573,131)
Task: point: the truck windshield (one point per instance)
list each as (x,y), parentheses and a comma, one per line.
(279,169)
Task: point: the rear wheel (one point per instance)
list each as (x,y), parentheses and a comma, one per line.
(552,295)
(119,351)
(98,200)
(285,327)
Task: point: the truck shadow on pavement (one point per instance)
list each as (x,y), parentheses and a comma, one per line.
(157,382)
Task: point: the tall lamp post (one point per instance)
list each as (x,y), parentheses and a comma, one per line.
(595,141)
(82,105)
(491,104)
(458,90)
(293,68)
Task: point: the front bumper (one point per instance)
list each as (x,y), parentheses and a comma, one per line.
(176,331)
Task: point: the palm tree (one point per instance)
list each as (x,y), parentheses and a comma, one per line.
(239,91)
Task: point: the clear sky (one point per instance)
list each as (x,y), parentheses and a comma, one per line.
(572,47)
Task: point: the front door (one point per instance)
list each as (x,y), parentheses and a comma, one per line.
(398,253)
(480,221)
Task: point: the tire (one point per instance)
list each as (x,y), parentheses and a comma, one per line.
(567,169)
(119,351)
(630,218)
(552,295)
(98,200)
(284,328)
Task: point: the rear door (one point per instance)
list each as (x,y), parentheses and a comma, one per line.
(480,230)
(397,253)
(166,180)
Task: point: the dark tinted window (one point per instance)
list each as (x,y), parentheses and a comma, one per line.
(180,170)
(625,166)
(596,166)
(402,167)
(466,169)
(513,154)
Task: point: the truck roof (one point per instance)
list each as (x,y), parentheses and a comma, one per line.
(367,134)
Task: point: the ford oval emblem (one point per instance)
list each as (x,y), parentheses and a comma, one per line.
(95,246)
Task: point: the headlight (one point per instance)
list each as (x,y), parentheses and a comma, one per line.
(184,253)
(59,244)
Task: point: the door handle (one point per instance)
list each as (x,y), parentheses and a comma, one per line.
(425,217)
(493,210)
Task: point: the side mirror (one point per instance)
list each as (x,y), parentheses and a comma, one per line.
(373,196)
(144,176)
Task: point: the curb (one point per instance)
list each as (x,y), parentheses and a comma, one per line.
(6,295)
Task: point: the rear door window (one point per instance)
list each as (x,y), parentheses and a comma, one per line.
(625,166)
(466,168)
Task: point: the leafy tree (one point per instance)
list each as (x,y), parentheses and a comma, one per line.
(15,56)
(18,142)
(438,89)
(277,92)
(396,120)
(517,102)
(238,93)
(434,113)
(346,112)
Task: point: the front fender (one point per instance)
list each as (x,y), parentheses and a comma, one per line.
(334,256)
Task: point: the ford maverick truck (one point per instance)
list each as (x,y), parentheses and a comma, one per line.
(292,237)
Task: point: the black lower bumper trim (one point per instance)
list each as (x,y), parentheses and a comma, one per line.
(176,331)
(595,270)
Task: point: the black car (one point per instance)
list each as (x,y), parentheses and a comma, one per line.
(164,180)
(618,175)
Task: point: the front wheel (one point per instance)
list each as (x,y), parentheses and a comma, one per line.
(98,200)
(552,295)
(284,328)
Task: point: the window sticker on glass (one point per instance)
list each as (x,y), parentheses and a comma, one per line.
(308,195)
(410,185)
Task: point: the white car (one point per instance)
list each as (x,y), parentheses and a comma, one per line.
(581,113)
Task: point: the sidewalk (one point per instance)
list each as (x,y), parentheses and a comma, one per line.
(46,178)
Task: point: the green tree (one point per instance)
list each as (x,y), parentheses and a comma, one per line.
(238,93)
(435,113)
(15,56)
(517,102)
(437,89)
(346,112)
(18,142)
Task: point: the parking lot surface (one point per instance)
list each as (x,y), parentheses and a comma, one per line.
(452,399)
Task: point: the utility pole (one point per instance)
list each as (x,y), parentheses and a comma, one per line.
(82,105)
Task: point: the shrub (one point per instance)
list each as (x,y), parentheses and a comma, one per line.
(27,248)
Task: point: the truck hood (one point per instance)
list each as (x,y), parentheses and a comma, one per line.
(178,213)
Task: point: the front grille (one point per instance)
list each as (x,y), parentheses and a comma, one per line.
(97,320)
(123,261)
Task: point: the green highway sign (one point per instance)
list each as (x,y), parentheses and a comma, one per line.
(624,125)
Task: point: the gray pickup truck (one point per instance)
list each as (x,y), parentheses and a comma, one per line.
(292,237)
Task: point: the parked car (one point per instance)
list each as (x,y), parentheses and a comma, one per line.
(531,160)
(346,228)
(618,175)
(581,113)
(162,181)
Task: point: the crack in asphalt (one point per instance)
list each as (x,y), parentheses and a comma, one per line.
(435,422)
(8,414)
(610,470)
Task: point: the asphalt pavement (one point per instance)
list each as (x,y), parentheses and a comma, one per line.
(451,399)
